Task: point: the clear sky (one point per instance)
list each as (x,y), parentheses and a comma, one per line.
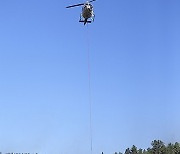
(135,75)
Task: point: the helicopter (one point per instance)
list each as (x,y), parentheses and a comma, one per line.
(87,15)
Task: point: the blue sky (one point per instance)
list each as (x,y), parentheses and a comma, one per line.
(135,75)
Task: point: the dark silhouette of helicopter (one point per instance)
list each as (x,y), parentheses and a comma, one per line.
(87,15)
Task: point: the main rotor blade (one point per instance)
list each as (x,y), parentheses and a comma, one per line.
(92,1)
(75,5)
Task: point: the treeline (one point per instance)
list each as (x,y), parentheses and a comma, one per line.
(157,147)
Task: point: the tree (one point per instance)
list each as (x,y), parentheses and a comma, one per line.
(176,148)
(127,151)
(134,150)
(158,147)
(140,151)
(170,148)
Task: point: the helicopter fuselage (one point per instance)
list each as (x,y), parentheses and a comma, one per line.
(87,11)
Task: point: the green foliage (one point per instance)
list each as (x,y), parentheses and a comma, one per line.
(134,150)
(127,151)
(157,147)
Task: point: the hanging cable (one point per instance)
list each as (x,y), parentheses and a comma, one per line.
(90,99)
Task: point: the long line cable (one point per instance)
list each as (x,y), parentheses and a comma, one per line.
(90,97)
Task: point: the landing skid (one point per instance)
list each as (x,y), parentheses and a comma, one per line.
(85,21)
